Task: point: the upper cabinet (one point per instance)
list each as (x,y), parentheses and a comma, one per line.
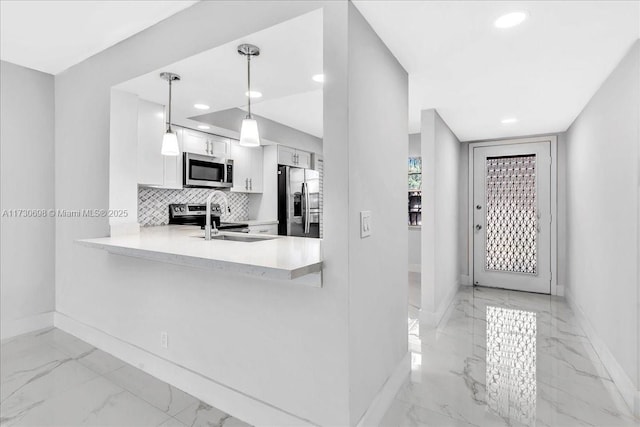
(154,169)
(205,143)
(291,157)
(247,168)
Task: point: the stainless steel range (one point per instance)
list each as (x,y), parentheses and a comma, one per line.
(195,214)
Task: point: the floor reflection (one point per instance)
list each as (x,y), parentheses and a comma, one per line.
(505,358)
(511,363)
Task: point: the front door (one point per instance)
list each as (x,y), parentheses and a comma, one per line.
(512,216)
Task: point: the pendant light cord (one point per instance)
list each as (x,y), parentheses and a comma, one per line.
(169,126)
(249,83)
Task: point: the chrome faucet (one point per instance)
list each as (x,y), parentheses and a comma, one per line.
(207,228)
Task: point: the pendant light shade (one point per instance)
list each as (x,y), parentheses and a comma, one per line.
(170,144)
(170,140)
(249,135)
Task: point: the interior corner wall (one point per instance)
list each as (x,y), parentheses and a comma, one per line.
(27,252)
(603,222)
(441,216)
(378,281)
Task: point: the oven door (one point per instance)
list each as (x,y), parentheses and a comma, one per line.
(205,171)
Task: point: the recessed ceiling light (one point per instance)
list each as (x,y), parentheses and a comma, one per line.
(201,106)
(253,94)
(510,20)
(508,120)
(318,78)
(204,127)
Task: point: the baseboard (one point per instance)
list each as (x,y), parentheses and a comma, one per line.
(24,325)
(226,399)
(415,268)
(381,403)
(465,280)
(433,319)
(620,378)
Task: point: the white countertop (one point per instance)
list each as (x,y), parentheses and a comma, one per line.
(283,258)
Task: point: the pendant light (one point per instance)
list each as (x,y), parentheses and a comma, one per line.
(170,140)
(249,136)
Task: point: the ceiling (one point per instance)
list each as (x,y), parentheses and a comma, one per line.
(542,72)
(291,53)
(53,35)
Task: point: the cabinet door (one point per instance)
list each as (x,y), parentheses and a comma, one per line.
(150,132)
(241,168)
(194,142)
(303,159)
(255,174)
(286,156)
(218,146)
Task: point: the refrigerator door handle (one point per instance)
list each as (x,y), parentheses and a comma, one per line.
(305,190)
(288,196)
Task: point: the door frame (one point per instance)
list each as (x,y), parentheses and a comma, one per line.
(553,142)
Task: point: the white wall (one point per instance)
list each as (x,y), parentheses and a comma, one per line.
(463,214)
(378,281)
(440,216)
(123,161)
(414,145)
(288,345)
(26,155)
(602,221)
(292,348)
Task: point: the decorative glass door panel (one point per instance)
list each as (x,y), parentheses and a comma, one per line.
(511,213)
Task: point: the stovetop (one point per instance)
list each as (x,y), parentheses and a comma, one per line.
(195,214)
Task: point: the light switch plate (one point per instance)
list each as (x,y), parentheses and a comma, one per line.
(365,224)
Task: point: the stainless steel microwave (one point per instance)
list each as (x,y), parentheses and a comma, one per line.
(207,171)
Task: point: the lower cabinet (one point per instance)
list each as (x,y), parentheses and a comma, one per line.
(263,229)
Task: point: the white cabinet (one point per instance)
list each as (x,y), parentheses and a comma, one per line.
(291,157)
(154,169)
(264,229)
(247,168)
(204,143)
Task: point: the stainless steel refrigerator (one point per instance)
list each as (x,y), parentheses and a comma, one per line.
(298,202)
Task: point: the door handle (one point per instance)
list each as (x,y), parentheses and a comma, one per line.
(251,184)
(246,183)
(305,207)
(478,227)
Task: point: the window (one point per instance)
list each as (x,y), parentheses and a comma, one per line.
(415,190)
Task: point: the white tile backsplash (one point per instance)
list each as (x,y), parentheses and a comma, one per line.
(153,204)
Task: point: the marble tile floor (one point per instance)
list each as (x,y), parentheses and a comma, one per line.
(506,358)
(50,378)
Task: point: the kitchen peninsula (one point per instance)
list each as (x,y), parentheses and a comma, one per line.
(273,257)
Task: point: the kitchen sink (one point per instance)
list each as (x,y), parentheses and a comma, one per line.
(241,238)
